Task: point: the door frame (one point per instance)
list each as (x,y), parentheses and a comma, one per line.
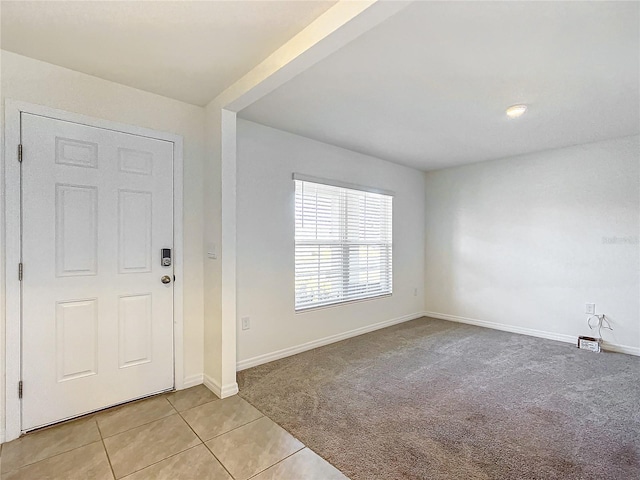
(12,237)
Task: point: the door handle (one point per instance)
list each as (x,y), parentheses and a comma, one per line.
(166,279)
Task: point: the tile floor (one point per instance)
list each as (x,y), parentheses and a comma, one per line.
(189,434)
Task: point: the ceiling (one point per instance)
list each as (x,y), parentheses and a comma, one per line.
(187,50)
(429,87)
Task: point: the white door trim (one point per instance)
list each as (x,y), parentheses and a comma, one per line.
(12,411)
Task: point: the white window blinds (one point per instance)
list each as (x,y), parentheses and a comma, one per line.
(343,244)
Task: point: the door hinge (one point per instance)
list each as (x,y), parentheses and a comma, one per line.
(20,270)
(20,389)
(20,153)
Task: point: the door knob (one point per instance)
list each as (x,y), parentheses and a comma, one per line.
(166,279)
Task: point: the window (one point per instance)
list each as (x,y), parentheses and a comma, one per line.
(343,245)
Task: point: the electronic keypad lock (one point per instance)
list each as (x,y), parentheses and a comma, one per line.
(166,257)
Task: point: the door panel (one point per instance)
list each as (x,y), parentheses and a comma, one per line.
(134,222)
(76,230)
(97,323)
(76,339)
(136,329)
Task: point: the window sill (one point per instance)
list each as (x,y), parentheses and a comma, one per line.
(342,303)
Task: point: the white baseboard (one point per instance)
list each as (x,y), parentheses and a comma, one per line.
(223,391)
(193,380)
(612,347)
(502,326)
(287,352)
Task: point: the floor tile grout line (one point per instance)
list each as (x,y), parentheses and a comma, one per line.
(106,452)
(93,417)
(48,458)
(219,461)
(98,427)
(200,442)
(265,415)
(160,461)
(223,433)
(279,461)
(290,433)
(143,424)
(104,411)
(240,396)
(207,446)
(191,428)
(177,392)
(196,406)
(252,421)
(235,428)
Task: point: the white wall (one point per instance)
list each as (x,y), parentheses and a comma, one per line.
(212,241)
(219,237)
(45,84)
(523,242)
(265,241)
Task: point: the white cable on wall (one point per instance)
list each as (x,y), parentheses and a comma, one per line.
(600,324)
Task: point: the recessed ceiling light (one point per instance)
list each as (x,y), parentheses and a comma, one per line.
(515,111)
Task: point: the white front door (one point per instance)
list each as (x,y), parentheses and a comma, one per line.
(97,319)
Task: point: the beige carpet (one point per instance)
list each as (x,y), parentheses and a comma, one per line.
(430,399)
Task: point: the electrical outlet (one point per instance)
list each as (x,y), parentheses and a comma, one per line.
(246,323)
(590,309)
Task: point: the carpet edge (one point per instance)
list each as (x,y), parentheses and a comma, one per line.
(303,347)
(561,337)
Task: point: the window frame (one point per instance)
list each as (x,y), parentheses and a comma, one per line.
(344,245)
